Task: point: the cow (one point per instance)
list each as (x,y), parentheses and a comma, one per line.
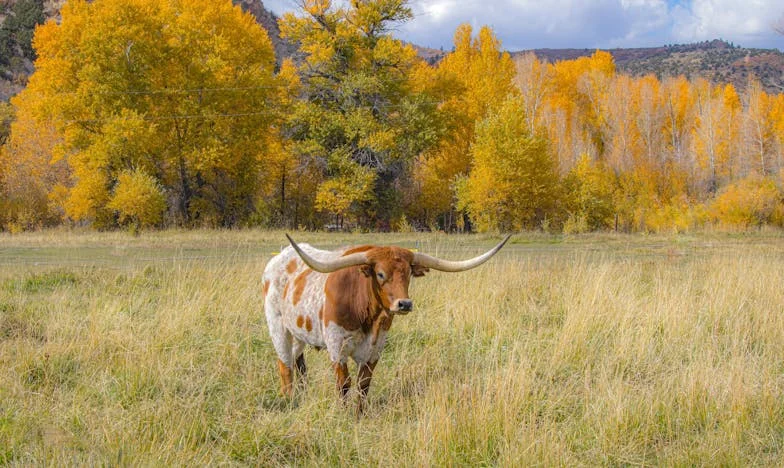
(343,301)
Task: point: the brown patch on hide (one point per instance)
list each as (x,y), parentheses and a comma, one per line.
(361,248)
(299,285)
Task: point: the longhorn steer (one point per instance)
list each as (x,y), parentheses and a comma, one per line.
(343,301)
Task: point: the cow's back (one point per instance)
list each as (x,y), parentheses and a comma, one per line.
(294,294)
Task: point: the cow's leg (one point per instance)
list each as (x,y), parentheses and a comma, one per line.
(301,367)
(298,353)
(282,341)
(343,379)
(336,341)
(363,383)
(286,380)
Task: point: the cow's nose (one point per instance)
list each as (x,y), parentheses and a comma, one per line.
(406,305)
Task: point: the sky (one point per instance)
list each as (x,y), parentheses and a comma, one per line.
(532,24)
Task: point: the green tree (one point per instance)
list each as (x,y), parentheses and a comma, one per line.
(16,33)
(362,105)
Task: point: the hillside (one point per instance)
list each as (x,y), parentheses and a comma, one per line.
(716,60)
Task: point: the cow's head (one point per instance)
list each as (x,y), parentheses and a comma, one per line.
(390,269)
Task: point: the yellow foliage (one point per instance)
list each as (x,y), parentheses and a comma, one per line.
(138,199)
(474,80)
(28,172)
(513,184)
(87,200)
(575,109)
(716,134)
(160,86)
(127,90)
(679,107)
(368,101)
(636,199)
(678,216)
(590,191)
(533,83)
(482,69)
(351,185)
(575,224)
(751,201)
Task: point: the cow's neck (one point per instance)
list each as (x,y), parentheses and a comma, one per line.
(377,314)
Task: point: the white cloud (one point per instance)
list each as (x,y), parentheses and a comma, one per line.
(553,23)
(438,9)
(526,24)
(748,22)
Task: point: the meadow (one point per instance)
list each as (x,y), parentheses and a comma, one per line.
(581,350)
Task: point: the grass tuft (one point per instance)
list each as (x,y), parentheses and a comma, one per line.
(42,282)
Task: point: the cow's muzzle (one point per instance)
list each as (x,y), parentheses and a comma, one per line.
(404,306)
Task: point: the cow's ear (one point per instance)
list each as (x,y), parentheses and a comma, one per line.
(366,270)
(419,270)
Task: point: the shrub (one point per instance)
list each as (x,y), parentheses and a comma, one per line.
(747,202)
(138,199)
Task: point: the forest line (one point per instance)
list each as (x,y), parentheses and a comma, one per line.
(153,113)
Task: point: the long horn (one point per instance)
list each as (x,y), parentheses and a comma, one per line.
(453,267)
(330,265)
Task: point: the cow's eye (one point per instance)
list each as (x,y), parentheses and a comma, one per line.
(380,275)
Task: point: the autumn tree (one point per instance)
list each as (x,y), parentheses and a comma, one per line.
(362,119)
(679,118)
(33,177)
(513,184)
(759,131)
(573,112)
(622,140)
(590,194)
(777,121)
(477,78)
(716,136)
(162,87)
(138,199)
(649,114)
(532,81)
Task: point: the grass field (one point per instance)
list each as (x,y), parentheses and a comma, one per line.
(596,350)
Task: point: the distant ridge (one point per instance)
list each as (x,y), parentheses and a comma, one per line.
(718,61)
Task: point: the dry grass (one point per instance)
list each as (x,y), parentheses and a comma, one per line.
(598,350)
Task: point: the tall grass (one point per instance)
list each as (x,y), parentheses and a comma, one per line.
(592,350)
